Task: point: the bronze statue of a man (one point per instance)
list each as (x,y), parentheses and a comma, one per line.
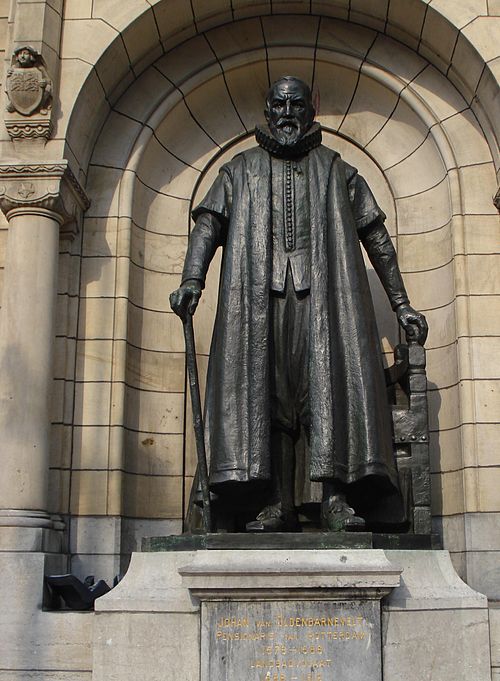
(295,345)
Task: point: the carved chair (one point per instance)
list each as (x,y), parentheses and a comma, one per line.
(406,384)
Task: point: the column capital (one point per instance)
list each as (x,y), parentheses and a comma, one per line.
(50,186)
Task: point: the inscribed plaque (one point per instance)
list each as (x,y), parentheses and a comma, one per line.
(291,641)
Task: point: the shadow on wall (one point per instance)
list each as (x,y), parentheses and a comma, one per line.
(434,406)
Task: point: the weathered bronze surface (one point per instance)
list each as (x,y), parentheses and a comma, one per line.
(295,349)
(289,540)
(77,595)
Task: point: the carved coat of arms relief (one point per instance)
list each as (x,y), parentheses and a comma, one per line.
(29,95)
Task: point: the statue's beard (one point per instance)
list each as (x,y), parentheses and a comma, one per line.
(287,131)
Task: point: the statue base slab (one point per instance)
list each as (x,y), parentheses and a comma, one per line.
(182,614)
(291,540)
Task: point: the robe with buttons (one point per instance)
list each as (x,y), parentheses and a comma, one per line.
(350,427)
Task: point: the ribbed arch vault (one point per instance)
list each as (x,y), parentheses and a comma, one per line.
(124,39)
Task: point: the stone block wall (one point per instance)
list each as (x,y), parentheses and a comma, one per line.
(151,99)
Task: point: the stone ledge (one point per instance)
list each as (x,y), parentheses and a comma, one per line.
(30,539)
(290,572)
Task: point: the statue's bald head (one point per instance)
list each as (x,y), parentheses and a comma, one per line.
(285,81)
(289,109)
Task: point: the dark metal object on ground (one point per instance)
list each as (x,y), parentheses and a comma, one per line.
(76,594)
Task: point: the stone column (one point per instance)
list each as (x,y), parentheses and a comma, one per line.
(38,201)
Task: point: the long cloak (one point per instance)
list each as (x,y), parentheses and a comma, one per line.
(350,430)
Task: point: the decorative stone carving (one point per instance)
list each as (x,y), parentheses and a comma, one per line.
(47,186)
(496,200)
(29,93)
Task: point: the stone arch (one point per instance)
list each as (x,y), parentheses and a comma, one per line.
(124,41)
(155,144)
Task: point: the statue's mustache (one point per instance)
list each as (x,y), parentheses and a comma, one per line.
(284,122)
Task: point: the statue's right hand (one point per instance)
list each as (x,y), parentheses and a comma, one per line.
(184,300)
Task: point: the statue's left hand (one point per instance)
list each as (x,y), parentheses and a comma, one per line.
(413,322)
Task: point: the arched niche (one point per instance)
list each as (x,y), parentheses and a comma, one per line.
(388,111)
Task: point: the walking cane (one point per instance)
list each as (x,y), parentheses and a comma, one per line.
(194,387)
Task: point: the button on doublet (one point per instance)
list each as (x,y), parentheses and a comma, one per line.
(289,208)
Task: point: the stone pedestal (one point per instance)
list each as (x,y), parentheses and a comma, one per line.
(290,615)
(434,623)
(148,627)
(209,614)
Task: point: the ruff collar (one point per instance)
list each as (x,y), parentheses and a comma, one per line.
(309,141)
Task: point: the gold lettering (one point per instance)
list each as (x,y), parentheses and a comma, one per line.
(233,622)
